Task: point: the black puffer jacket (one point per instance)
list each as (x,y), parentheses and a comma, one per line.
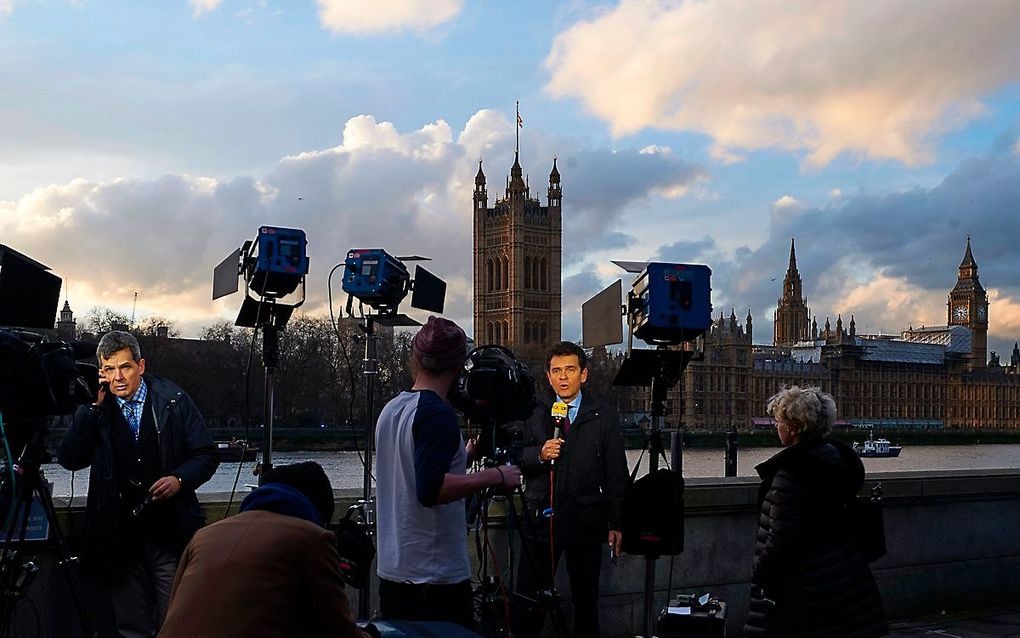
(591,473)
(186,450)
(810,578)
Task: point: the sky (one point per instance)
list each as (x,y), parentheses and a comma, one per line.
(140,143)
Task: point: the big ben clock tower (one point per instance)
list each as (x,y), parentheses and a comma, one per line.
(968,306)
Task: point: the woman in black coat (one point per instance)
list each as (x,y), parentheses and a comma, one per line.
(810,577)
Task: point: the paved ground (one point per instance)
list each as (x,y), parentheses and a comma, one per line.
(1000,622)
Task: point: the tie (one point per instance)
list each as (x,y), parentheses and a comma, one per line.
(566,424)
(132,417)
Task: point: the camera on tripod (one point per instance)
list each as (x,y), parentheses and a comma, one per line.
(494,389)
(38,379)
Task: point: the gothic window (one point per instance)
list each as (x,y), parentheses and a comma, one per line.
(505,270)
(534,274)
(544,277)
(527,275)
(491,336)
(527,332)
(541,334)
(488,272)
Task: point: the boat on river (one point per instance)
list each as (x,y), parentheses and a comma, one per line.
(876,448)
(235,451)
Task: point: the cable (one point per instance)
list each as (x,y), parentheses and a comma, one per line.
(350,366)
(10,466)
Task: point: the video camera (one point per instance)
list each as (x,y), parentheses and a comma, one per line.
(42,378)
(38,378)
(495,389)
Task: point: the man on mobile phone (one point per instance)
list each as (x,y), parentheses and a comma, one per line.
(149,450)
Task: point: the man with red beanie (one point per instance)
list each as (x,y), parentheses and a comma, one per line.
(421,481)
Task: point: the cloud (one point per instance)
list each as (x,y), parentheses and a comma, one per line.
(203,6)
(890,259)
(406,191)
(6,7)
(366,17)
(819,78)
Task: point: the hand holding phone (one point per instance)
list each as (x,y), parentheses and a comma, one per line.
(104,387)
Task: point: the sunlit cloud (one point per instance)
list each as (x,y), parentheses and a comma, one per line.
(406,191)
(817,78)
(368,17)
(199,7)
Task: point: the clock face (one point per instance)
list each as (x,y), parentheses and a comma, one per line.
(982,312)
(960,312)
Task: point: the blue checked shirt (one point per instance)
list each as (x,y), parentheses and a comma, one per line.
(132,408)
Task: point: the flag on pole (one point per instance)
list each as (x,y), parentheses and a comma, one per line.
(520,122)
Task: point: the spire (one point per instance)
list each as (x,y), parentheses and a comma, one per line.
(516,176)
(480,175)
(968,257)
(853,326)
(554,174)
(793,256)
(839,324)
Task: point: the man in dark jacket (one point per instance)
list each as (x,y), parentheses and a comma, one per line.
(149,451)
(589,470)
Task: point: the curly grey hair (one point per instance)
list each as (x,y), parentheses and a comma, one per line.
(806,412)
(115,341)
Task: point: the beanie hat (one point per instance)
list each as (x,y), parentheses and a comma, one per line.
(440,345)
(310,479)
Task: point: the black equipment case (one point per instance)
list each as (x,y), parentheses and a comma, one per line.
(691,616)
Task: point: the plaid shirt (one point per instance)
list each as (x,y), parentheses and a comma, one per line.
(132,408)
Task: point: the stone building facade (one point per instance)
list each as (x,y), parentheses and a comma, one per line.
(517,262)
(925,378)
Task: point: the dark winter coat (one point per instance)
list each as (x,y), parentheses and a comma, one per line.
(810,576)
(591,473)
(183,449)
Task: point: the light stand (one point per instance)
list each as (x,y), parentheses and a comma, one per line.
(273,265)
(661,370)
(366,506)
(381,281)
(271,317)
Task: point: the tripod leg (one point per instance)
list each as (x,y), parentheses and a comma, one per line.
(8,569)
(67,561)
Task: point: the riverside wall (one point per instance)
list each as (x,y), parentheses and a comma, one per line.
(953,537)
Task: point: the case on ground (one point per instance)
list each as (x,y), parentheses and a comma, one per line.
(693,616)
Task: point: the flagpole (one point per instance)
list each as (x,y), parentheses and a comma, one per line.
(517,130)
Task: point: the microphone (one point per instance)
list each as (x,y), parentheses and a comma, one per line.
(559,416)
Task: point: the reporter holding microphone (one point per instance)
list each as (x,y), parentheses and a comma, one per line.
(573,461)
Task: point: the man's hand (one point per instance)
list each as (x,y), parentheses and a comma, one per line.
(165,487)
(615,541)
(550,450)
(509,477)
(471,449)
(103,386)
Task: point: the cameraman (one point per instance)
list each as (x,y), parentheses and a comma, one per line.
(149,450)
(590,477)
(421,481)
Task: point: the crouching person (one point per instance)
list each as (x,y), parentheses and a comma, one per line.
(271,570)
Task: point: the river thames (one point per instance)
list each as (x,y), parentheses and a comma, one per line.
(345,469)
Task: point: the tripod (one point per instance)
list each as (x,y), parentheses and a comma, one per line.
(547,599)
(16,575)
(493,443)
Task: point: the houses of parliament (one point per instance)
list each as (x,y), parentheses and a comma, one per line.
(925,378)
